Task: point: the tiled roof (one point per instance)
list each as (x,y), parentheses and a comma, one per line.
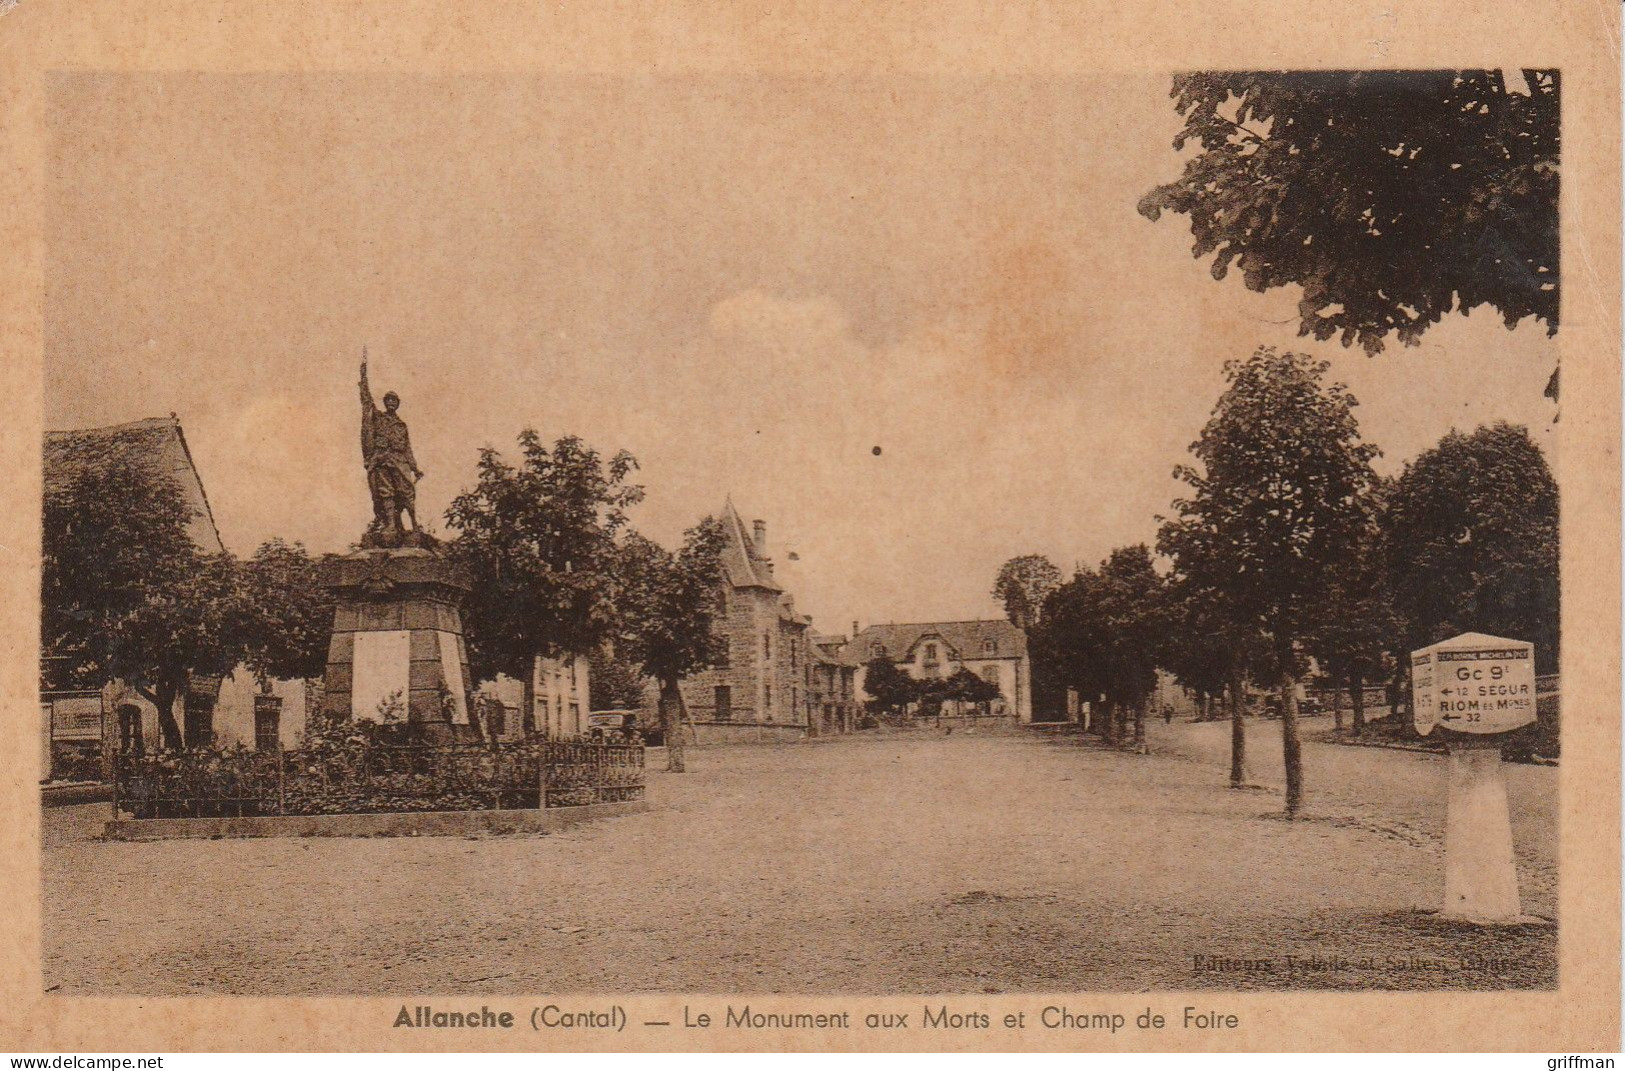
(834,651)
(155,441)
(963,638)
(746,568)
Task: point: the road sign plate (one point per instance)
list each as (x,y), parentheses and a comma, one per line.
(1474,683)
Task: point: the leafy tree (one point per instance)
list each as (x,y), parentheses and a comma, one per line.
(1022,586)
(1281,499)
(540,541)
(126,593)
(967,687)
(1471,532)
(1390,197)
(287,613)
(617,683)
(670,608)
(1067,642)
(1102,631)
(1351,642)
(890,689)
(1134,615)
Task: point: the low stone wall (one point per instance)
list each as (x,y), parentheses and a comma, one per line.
(746,733)
(73,795)
(398,824)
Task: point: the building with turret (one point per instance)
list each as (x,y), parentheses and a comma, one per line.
(764,687)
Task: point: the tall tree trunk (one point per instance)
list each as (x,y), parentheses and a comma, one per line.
(1139,721)
(527,715)
(163,697)
(1337,702)
(1238,733)
(1357,697)
(1109,712)
(671,723)
(1291,752)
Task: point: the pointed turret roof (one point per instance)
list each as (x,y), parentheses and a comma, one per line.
(746,566)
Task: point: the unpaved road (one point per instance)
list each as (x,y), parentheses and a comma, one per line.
(900,864)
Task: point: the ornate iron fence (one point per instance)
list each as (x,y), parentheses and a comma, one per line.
(367,778)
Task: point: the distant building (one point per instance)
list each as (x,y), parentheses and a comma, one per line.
(562,697)
(833,687)
(763,690)
(996,651)
(226,711)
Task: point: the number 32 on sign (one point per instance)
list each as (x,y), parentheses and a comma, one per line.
(1474,683)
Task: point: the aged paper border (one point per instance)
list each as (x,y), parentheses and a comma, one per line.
(1580,36)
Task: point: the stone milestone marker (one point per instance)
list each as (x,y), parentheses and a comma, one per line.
(397,625)
(1476,689)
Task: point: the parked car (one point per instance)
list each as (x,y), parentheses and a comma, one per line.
(613,726)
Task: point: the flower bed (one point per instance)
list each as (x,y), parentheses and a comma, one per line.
(359,776)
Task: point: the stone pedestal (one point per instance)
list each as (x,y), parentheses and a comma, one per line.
(398,642)
(1480,871)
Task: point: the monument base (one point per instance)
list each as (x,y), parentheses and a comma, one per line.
(397,656)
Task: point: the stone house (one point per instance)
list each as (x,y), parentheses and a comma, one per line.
(763,689)
(996,651)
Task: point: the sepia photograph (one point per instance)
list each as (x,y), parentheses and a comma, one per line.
(822,590)
(878,549)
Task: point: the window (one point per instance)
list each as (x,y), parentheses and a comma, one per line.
(767,699)
(724,703)
(199,721)
(990,673)
(877,650)
(129,729)
(267,723)
(724,653)
(792,652)
(572,673)
(990,647)
(767,645)
(930,653)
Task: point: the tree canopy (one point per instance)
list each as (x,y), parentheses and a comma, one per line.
(1472,541)
(890,690)
(671,603)
(126,594)
(289,612)
(1022,586)
(667,618)
(540,540)
(1390,197)
(1281,497)
(1281,501)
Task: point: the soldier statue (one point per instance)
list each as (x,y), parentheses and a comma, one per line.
(392,471)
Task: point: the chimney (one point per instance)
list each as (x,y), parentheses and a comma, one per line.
(759,533)
(854,628)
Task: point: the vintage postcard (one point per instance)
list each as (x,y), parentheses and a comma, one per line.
(943,527)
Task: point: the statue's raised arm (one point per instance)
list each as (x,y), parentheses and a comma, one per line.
(366,393)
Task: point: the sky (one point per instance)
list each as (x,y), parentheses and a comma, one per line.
(913,323)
